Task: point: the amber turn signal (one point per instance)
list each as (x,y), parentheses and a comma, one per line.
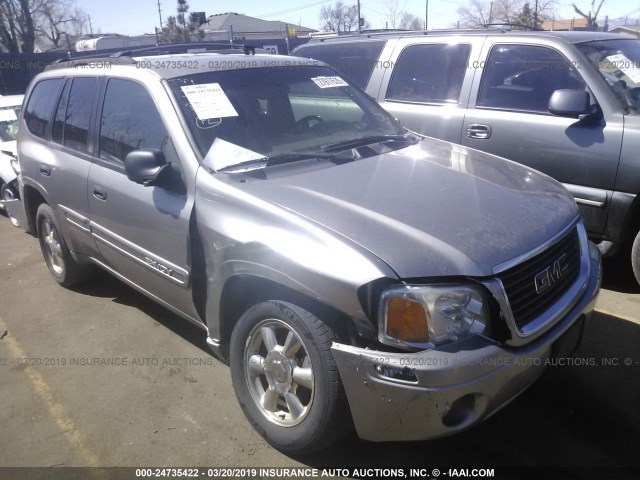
(407,320)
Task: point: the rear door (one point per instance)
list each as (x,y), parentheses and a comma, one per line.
(428,86)
(142,232)
(60,113)
(508,116)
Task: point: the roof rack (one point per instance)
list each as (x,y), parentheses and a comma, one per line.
(517,25)
(394,33)
(124,57)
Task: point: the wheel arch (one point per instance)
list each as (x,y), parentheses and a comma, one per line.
(32,199)
(244,291)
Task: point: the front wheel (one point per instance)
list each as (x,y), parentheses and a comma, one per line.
(62,266)
(635,257)
(285,377)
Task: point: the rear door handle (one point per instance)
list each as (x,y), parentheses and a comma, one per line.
(99,192)
(476,130)
(45,170)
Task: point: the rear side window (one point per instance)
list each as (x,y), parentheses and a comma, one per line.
(523,77)
(39,110)
(429,73)
(354,61)
(130,121)
(76,125)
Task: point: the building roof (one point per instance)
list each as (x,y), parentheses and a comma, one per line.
(564,24)
(633,30)
(245,24)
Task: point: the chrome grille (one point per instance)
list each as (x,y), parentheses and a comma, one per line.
(520,281)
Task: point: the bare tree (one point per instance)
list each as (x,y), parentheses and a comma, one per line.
(393,12)
(409,21)
(482,12)
(59,18)
(591,20)
(23,21)
(339,18)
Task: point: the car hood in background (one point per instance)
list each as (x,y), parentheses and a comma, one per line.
(433,209)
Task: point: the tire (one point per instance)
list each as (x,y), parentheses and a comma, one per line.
(290,392)
(8,193)
(66,271)
(635,257)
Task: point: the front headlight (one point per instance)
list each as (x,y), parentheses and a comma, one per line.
(427,316)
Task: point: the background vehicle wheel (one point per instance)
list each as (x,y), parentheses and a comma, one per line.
(285,377)
(635,257)
(8,193)
(61,265)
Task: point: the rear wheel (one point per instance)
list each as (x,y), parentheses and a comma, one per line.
(285,378)
(62,266)
(635,257)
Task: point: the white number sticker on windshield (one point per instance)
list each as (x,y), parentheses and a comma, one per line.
(329,82)
(208,100)
(628,67)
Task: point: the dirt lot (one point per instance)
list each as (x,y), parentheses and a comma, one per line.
(164,400)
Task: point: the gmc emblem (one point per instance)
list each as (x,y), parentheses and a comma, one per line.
(551,275)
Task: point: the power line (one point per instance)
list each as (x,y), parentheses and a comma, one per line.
(295,9)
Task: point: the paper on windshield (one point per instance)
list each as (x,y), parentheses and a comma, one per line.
(630,68)
(208,100)
(329,82)
(8,115)
(224,154)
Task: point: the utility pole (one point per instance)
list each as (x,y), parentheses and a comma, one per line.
(426,16)
(160,13)
(490,11)
(535,16)
(359,22)
(90,27)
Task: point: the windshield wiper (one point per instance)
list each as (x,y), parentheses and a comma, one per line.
(278,159)
(366,140)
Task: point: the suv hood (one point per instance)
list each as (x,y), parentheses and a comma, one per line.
(432,209)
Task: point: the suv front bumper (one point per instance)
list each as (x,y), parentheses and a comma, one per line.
(430,394)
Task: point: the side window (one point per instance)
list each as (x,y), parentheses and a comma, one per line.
(76,125)
(39,110)
(523,77)
(61,112)
(130,121)
(429,73)
(355,61)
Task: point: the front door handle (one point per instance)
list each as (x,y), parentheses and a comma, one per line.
(475,130)
(99,192)
(45,170)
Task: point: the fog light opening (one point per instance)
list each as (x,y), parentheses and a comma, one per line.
(461,412)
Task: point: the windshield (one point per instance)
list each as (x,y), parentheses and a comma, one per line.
(237,116)
(619,63)
(9,123)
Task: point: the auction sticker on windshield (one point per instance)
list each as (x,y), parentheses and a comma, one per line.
(329,82)
(208,100)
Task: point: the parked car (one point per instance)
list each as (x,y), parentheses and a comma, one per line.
(564,103)
(346,269)
(9,113)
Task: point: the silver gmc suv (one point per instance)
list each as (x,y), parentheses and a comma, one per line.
(350,273)
(564,103)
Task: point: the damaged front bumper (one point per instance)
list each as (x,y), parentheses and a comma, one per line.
(433,393)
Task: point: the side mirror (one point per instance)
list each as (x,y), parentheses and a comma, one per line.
(146,167)
(572,104)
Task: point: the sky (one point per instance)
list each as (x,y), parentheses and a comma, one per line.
(129,17)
